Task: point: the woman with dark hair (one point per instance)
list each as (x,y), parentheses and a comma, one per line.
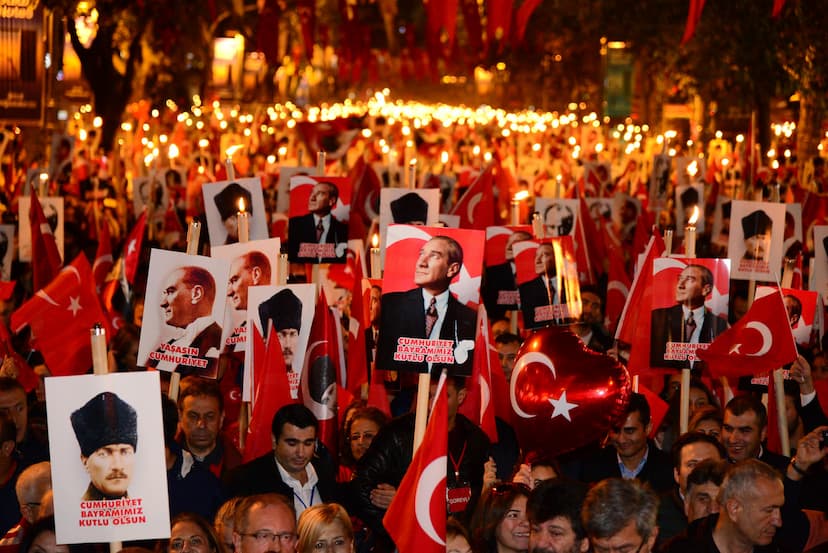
(191,532)
(359,431)
(499,523)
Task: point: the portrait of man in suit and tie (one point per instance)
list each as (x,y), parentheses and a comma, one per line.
(186,302)
(428,312)
(689,321)
(541,297)
(499,290)
(318,236)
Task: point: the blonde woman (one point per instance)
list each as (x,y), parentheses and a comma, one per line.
(325,528)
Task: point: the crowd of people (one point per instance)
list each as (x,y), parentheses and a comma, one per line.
(645,486)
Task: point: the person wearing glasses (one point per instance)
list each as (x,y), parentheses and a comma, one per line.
(193,533)
(619,516)
(265,523)
(499,523)
(325,528)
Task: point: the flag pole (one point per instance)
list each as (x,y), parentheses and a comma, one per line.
(781,419)
(684,405)
(243,220)
(97,335)
(421,417)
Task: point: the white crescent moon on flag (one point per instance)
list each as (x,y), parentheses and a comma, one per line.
(666,263)
(532,356)
(767,338)
(618,286)
(485,394)
(491,232)
(472,204)
(433,474)
(397,233)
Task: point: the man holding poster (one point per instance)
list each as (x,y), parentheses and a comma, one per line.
(686,322)
(427,327)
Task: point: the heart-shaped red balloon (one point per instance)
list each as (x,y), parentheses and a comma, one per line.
(564,395)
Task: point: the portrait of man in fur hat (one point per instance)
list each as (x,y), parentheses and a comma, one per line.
(107,431)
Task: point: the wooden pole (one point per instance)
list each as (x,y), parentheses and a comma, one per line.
(781,419)
(100,365)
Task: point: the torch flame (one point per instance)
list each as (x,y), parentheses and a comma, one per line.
(694,217)
(375,240)
(241,205)
(232,150)
(520,196)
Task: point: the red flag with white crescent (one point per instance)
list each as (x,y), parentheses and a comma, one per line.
(618,288)
(271,391)
(46,260)
(357,363)
(422,491)
(60,317)
(103,256)
(760,341)
(318,384)
(476,207)
(478,406)
(132,248)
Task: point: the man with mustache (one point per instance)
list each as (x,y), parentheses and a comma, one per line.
(107,431)
(554,511)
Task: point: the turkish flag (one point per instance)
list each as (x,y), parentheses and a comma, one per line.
(618,288)
(693,17)
(478,406)
(365,204)
(60,317)
(46,260)
(103,256)
(377,396)
(319,373)
(476,206)
(658,408)
(499,22)
(271,391)
(507,187)
(24,375)
(759,342)
(778,5)
(357,364)
(524,13)
(333,137)
(589,246)
(132,249)
(796,281)
(422,491)
(635,322)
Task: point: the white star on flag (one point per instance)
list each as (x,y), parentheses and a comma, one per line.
(74,305)
(735,348)
(562,406)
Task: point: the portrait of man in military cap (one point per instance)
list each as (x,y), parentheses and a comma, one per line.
(222,203)
(282,313)
(107,446)
(107,431)
(756,238)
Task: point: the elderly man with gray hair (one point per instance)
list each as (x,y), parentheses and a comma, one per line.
(619,516)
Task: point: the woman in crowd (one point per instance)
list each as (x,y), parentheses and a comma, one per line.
(457,539)
(499,523)
(223,523)
(359,431)
(324,528)
(192,532)
(41,539)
